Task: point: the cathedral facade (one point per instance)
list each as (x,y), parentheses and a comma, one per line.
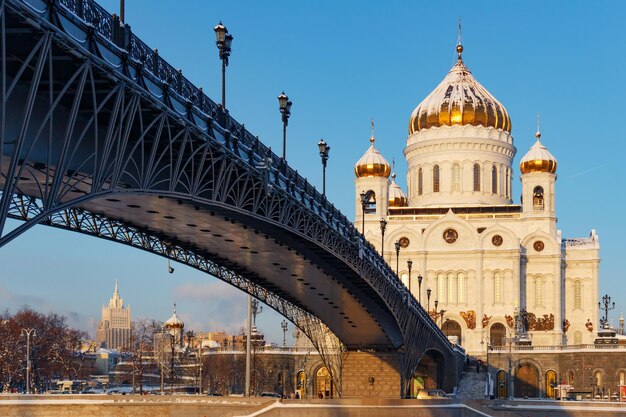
(488,270)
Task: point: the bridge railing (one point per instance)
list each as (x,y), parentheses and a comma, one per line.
(234,135)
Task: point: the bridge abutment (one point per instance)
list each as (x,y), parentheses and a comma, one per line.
(371,375)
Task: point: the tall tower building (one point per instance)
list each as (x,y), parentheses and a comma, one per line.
(114,330)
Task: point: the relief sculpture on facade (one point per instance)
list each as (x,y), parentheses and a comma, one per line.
(486,319)
(566,325)
(542,323)
(510,321)
(470,318)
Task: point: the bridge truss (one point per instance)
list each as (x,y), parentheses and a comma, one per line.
(90,115)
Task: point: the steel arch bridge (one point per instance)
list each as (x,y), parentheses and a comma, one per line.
(100,135)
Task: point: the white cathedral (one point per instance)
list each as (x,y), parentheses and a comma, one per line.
(499,272)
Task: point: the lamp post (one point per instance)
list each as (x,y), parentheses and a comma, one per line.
(284,104)
(284,325)
(224,42)
(428,290)
(397,245)
(28,333)
(365,199)
(324,149)
(409,265)
(436,303)
(383,226)
(482,341)
(604,305)
(419,285)
(441,313)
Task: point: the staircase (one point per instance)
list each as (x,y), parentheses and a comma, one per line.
(472,384)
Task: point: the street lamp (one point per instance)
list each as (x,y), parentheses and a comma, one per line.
(488,374)
(397,245)
(409,265)
(224,41)
(284,104)
(324,148)
(28,333)
(428,290)
(419,285)
(383,226)
(284,325)
(436,303)
(365,199)
(606,301)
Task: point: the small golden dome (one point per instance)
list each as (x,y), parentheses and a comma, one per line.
(372,163)
(174,322)
(459,100)
(538,159)
(397,198)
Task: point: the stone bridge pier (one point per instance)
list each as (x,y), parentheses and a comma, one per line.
(378,374)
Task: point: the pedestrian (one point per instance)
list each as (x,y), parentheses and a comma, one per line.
(478,368)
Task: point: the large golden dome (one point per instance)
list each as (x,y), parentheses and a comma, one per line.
(459,100)
(372,163)
(538,159)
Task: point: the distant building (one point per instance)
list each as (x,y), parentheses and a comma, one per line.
(115,328)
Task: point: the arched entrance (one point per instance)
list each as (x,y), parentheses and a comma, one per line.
(497,334)
(527,381)
(323,383)
(301,385)
(501,384)
(429,373)
(452,328)
(551,384)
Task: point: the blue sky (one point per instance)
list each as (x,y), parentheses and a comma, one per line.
(343,63)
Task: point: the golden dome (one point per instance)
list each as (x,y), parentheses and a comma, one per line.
(538,159)
(397,198)
(459,100)
(372,163)
(174,322)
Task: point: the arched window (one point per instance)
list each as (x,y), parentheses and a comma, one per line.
(494,180)
(501,378)
(508,183)
(405,279)
(538,293)
(498,288)
(462,289)
(578,298)
(452,328)
(323,383)
(370,204)
(599,378)
(436,179)
(538,198)
(476,177)
(578,338)
(420,182)
(551,384)
(456,178)
(451,288)
(441,288)
(497,334)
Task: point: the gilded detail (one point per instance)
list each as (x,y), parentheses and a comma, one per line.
(470,318)
(459,100)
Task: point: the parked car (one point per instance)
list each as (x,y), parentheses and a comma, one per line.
(270,394)
(214,394)
(432,394)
